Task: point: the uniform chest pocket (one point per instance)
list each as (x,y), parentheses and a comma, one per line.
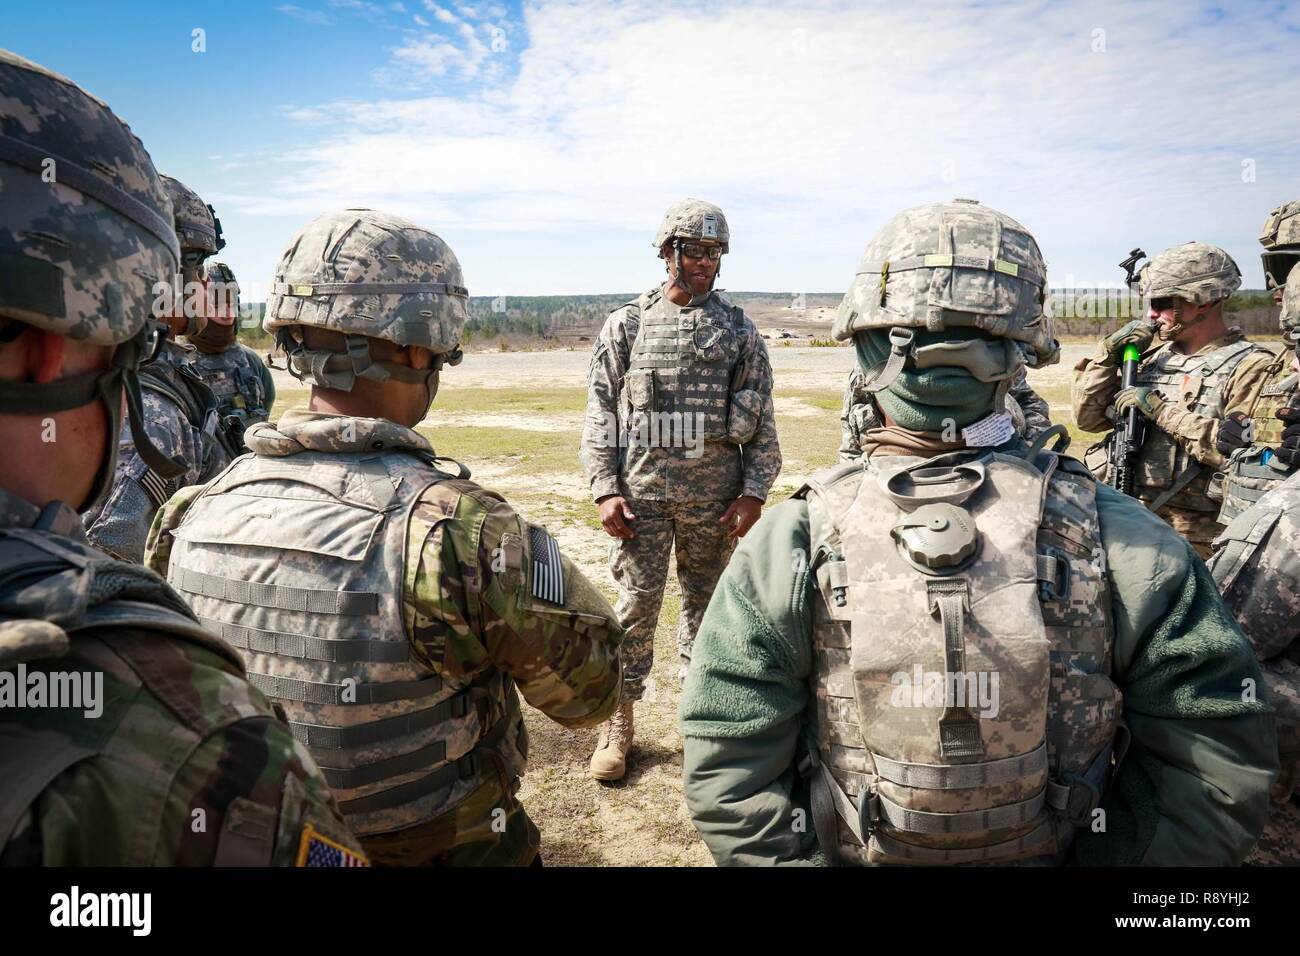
(714,342)
(639,388)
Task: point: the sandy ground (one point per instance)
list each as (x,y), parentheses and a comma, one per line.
(641,820)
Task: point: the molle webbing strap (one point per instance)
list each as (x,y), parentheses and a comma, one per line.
(309,648)
(347,778)
(950,261)
(462,769)
(1181,482)
(250,594)
(317,692)
(366,288)
(1042,835)
(959,728)
(321,737)
(74,176)
(961,776)
(966,821)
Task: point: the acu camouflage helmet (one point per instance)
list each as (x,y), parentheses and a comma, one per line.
(1196,272)
(368,275)
(85,236)
(947,266)
(197,226)
(1280,238)
(86,229)
(694,219)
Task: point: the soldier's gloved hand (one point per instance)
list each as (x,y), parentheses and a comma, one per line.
(1289,450)
(1139,332)
(1235,432)
(741,515)
(615,517)
(1146,400)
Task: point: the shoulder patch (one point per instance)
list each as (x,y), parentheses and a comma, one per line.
(315,849)
(548,569)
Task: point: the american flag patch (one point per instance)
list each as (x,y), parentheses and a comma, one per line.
(158,488)
(317,850)
(548,569)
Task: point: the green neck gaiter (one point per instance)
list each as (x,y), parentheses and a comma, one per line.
(927,401)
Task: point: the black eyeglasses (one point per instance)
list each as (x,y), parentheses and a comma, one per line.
(1277,265)
(695,250)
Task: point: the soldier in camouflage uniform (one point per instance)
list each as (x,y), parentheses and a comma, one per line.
(1262,446)
(180,411)
(180,761)
(679,446)
(940,656)
(1200,374)
(1256,564)
(395,608)
(239,379)
(1030,414)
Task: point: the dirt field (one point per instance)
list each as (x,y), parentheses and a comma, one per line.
(513,418)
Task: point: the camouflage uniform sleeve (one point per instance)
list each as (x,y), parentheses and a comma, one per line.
(121,527)
(1092,392)
(744,696)
(158,547)
(599,452)
(762,453)
(1038,414)
(1197,433)
(850,418)
(1194,787)
(476,597)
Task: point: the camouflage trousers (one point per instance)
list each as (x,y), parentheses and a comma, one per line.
(1279,844)
(487,828)
(640,569)
(1199,527)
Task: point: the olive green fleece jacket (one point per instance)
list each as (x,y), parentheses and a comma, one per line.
(1193,789)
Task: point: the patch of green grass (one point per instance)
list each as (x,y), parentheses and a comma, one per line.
(287,398)
(533,452)
(820,398)
(549,401)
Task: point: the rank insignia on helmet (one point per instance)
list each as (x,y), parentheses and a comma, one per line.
(317,850)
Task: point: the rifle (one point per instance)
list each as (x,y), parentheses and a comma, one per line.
(1126,439)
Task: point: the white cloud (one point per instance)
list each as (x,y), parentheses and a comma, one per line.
(419,20)
(317,17)
(810,126)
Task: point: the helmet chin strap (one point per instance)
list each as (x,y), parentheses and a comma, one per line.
(1168,335)
(680,279)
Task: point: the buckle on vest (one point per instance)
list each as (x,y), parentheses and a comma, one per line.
(868,812)
(1053,574)
(458,705)
(1083,799)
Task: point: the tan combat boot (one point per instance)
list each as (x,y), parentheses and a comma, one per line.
(609,762)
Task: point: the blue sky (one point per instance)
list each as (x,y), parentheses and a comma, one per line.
(543,140)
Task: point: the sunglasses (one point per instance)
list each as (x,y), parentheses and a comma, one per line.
(1163,303)
(695,250)
(1277,265)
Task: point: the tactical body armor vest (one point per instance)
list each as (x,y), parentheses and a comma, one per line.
(683,362)
(964,711)
(66,607)
(1196,382)
(172,374)
(235,379)
(1251,472)
(300,561)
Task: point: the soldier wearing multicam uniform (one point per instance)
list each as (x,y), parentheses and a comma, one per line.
(939,656)
(1200,374)
(180,411)
(240,381)
(185,764)
(859,413)
(390,604)
(1256,564)
(1262,446)
(679,446)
